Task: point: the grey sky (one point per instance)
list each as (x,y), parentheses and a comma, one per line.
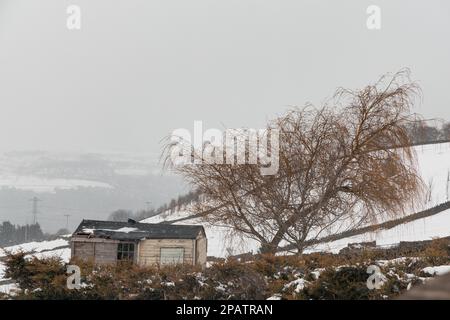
(139,69)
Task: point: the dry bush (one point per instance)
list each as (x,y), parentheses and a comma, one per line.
(47,279)
(340,278)
(30,272)
(269,264)
(241,280)
(346,283)
(437,252)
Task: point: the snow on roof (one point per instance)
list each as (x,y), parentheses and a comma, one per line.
(124,229)
(136,231)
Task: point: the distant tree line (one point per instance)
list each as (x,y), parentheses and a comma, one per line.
(422,132)
(174,205)
(15,234)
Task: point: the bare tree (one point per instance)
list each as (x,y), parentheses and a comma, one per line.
(120,215)
(445,131)
(339,166)
(421,132)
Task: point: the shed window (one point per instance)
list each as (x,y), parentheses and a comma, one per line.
(172,255)
(125,251)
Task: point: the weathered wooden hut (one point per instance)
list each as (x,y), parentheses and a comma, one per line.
(108,242)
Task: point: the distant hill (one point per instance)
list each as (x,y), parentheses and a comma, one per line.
(85,185)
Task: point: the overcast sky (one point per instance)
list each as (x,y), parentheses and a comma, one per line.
(139,69)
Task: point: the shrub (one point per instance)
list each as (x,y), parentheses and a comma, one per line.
(437,252)
(235,280)
(29,273)
(47,279)
(309,276)
(347,283)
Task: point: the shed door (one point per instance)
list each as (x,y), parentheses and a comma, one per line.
(172,255)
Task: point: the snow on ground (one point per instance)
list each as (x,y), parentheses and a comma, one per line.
(46,171)
(47,185)
(436,226)
(438,270)
(434,168)
(8,288)
(63,254)
(299,285)
(383,263)
(2,270)
(35,246)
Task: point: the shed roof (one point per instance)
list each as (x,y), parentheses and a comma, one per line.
(136,231)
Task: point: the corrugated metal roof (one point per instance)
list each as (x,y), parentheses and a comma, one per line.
(136,231)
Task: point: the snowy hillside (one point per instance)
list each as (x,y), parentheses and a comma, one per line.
(436,226)
(434,168)
(47,172)
(38,246)
(83,185)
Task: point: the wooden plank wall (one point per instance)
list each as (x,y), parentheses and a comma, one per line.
(101,252)
(83,250)
(201,251)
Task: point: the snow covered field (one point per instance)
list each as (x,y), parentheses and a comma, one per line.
(47,185)
(436,226)
(46,172)
(434,168)
(36,246)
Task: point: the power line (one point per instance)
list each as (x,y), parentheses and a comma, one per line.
(67,221)
(34,210)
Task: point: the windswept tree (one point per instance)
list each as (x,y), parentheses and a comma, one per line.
(341,165)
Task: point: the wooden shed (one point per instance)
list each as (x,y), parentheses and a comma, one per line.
(145,244)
